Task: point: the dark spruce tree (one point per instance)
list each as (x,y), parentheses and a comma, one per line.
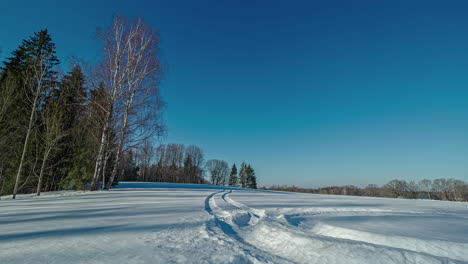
(243,176)
(251,179)
(75,156)
(233,179)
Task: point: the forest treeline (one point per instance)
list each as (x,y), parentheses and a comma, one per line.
(437,189)
(83,129)
(180,164)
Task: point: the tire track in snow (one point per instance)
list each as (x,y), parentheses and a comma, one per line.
(288,241)
(225,232)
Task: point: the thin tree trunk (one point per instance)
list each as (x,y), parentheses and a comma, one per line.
(120,147)
(53,185)
(52,182)
(117,159)
(122,137)
(25,146)
(41,174)
(101,153)
(2,180)
(104,169)
(47,185)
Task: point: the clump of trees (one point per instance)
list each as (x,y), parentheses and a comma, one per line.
(220,174)
(42,115)
(87,131)
(164,163)
(72,131)
(444,189)
(180,164)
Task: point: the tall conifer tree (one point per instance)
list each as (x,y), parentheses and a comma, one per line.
(233,179)
(243,176)
(251,179)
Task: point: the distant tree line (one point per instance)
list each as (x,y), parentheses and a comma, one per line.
(85,129)
(443,189)
(180,164)
(165,163)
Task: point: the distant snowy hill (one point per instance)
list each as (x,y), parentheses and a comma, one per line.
(188,223)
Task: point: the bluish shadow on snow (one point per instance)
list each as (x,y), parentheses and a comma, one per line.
(116,212)
(59,232)
(242,220)
(294,220)
(207,203)
(84,231)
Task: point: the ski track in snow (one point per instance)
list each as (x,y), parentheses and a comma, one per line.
(176,223)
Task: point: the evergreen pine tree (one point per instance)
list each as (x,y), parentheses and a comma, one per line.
(243,176)
(71,99)
(251,179)
(233,179)
(72,95)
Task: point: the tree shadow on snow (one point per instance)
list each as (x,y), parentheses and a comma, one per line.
(88,231)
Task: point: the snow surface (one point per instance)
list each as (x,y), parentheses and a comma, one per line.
(187,223)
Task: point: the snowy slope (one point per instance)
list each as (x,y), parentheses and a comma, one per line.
(182,223)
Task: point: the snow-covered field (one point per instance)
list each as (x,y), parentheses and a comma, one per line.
(176,223)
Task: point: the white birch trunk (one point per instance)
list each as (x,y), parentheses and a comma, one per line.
(41,174)
(25,146)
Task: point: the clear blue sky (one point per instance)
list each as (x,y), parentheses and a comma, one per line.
(311,93)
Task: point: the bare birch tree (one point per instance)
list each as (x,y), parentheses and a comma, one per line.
(131,73)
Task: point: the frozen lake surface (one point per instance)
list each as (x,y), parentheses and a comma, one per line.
(187,223)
